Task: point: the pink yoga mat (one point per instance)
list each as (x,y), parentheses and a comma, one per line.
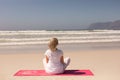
(43,73)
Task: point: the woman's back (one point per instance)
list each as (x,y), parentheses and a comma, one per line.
(54,57)
(54,65)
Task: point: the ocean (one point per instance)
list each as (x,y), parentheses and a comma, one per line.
(35,41)
(37,37)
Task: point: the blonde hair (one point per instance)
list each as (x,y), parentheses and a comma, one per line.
(53,43)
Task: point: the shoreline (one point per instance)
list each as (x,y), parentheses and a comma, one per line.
(65,47)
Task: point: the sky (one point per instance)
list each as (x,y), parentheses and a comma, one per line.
(56,14)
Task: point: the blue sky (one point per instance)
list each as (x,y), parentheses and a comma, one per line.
(56,14)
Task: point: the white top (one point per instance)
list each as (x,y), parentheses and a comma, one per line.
(54,65)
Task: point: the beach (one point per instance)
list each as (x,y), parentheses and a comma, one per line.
(103,61)
(88,33)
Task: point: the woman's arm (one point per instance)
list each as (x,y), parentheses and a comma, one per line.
(62,59)
(47,59)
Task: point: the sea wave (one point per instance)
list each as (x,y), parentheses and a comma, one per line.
(59,32)
(42,37)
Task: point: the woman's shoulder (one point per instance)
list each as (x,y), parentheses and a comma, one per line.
(59,51)
(48,50)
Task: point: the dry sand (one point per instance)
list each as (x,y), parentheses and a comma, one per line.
(104,63)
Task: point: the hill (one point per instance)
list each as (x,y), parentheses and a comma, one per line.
(105,25)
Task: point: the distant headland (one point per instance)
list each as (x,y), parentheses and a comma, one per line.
(115,25)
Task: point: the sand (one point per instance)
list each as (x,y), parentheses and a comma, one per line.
(104,63)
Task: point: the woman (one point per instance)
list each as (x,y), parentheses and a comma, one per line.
(54,62)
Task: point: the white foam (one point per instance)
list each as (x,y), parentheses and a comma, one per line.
(21,37)
(65,41)
(58,32)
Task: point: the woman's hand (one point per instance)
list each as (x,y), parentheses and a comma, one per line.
(62,59)
(47,59)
